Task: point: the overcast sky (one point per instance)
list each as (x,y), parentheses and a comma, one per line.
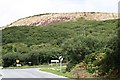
(11,10)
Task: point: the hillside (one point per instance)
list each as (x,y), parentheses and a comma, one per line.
(49,18)
(88,41)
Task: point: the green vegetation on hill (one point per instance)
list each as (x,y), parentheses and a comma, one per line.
(88,41)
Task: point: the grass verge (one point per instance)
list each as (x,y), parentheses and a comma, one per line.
(56,70)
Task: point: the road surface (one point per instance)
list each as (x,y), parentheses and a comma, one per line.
(27,73)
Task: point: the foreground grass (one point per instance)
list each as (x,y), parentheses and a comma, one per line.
(56,70)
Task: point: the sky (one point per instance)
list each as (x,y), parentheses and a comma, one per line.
(12,10)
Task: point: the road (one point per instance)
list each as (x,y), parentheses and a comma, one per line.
(27,73)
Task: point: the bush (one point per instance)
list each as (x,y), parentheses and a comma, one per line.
(70,65)
(111,62)
(24,59)
(79,47)
(9,59)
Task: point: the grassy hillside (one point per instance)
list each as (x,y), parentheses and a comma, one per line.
(77,41)
(59,32)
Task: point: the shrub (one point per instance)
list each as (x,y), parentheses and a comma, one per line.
(79,47)
(9,59)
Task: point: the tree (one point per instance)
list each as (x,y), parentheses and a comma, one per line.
(78,47)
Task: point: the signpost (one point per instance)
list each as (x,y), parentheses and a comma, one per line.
(54,61)
(30,63)
(18,63)
(61,59)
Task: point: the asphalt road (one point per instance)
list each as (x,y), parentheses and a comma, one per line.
(27,73)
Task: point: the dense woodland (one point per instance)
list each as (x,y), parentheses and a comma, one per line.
(95,43)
